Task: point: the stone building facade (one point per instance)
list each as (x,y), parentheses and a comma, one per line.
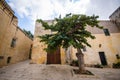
(39,55)
(115,17)
(14,43)
(105,48)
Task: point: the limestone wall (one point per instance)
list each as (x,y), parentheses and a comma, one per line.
(110,45)
(39,55)
(8,30)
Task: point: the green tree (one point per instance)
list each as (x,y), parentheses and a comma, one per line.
(70,31)
(30,35)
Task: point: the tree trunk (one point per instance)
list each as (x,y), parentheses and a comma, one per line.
(80,57)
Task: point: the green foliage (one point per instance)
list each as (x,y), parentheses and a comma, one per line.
(70,30)
(116,65)
(30,35)
(98,66)
(74,63)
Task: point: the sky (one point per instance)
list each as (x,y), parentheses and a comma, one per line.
(28,11)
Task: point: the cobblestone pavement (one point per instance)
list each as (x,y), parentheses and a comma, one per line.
(26,71)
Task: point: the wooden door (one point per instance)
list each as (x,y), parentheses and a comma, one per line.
(54,58)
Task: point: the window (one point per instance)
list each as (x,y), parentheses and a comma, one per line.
(13,43)
(84,48)
(106,32)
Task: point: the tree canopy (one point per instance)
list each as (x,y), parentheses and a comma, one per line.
(69,30)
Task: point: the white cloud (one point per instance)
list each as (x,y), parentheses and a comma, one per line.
(49,9)
(103,8)
(46,8)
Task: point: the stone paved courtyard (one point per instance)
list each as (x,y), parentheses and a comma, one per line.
(26,71)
